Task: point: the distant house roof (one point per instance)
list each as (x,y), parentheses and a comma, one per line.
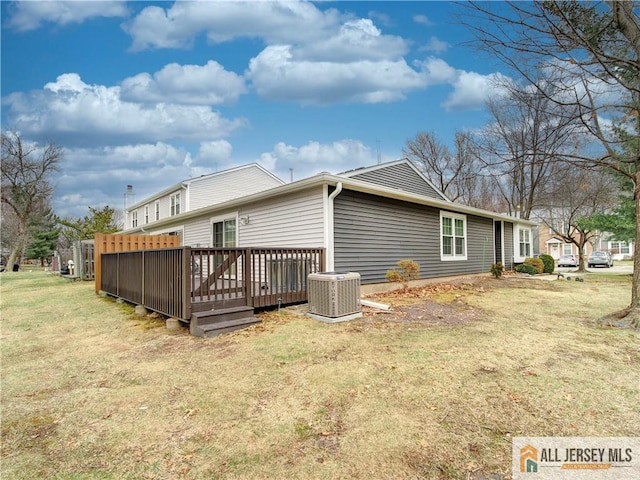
(189,181)
(347,182)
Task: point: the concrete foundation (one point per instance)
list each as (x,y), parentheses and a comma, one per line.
(173,324)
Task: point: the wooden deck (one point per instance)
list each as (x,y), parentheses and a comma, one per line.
(177,282)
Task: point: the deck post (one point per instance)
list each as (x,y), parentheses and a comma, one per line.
(186,282)
(247,274)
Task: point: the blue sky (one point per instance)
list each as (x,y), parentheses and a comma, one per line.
(151,93)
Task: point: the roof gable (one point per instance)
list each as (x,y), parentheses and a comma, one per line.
(400,174)
(209,179)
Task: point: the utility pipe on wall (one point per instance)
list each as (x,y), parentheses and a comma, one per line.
(330,228)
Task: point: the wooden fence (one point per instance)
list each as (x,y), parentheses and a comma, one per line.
(108,243)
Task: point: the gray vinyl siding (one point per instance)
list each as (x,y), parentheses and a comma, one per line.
(372,234)
(400,176)
(197,233)
(508,246)
(216,189)
(294,221)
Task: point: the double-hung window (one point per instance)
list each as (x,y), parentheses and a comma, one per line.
(525,242)
(157,210)
(175,204)
(134,219)
(453,236)
(146,214)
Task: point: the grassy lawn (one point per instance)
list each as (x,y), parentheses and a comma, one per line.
(435,389)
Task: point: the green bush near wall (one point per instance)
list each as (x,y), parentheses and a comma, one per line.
(524,268)
(535,263)
(549,263)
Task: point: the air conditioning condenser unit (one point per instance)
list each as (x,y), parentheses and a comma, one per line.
(333,296)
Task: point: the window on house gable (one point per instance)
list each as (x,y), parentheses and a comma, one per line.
(175,204)
(525,242)
(453,236)
(134,219)
(157,210)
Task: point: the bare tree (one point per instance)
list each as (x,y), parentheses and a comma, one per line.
(592,192)
(526,136)
(457,173)
(26,186)
(590,52)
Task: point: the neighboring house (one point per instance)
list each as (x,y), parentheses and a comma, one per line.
(367,220)
(618,250)
(551,243)
(199,192)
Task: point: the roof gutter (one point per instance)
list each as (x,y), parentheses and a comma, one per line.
(328,180)
(329,229)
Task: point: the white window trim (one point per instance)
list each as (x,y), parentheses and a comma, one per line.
(615,245)
(134,219)
(453,257)
(222,218)
(157,210)
(528,242)
(173,204)
(146,214)
(516,243)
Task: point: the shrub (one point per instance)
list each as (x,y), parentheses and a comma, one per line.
(549,263)
(535,263)
(407,270)
(524,268)
(497,269)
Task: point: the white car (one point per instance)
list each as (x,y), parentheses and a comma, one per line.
(568,261)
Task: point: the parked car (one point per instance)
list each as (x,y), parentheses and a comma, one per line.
(600,259)
(568,261)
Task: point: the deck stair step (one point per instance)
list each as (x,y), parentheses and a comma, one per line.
(222,320)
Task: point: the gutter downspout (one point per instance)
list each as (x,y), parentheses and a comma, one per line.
(330,228)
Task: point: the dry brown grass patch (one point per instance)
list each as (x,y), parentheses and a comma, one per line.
(90,391)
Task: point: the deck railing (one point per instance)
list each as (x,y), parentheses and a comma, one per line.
(171,281)
(156,279)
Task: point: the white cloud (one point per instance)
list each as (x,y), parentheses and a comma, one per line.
(99,176)
(276,74)
(435,45)
(28,15)
(381,17)
(316,157)
(209,84)
(210,153)
(436,71)
(77,113)
(422,20)
(274,22)
(471,90)
(356,40)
